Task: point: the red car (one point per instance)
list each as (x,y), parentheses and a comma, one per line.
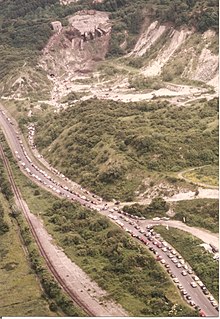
(202,313)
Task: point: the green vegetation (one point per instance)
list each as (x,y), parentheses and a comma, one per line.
(199,212)
(116,262)
(129,15)
(207,175)
(110,146)
(157,207)
(20,292)
(201,261)
(58,301)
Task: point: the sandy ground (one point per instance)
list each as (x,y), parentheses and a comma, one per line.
(203,193)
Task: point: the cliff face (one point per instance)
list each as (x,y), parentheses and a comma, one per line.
(184,49)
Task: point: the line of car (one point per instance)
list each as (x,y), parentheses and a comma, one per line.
(154,241)
(148,237)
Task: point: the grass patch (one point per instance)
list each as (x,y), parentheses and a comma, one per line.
(20,291)
(208,175)
(202,213)
(201,261)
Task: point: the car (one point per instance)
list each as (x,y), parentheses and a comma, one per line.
(214,303)
(193,284)
(205,292)
(200,284)
(189,271)
(170,255)
(184,273)
(172,275)
(192,303)
(165,218)
(169,271)
(167,266)
(173,252)
(180,287)
(164,249)
(159,245)
(202,313)
(176,280)
(163,261)
(188,297)
(211,298)
(195,278)
(159,257)
(184,292)
(178,265)
(174,260)
(156,218)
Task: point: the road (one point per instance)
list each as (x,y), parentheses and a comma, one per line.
(205,236)
(82,290)
(181,175)
(42,178)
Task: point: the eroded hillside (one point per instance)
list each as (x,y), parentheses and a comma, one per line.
(75,60)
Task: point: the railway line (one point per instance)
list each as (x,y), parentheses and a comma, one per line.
(20,202)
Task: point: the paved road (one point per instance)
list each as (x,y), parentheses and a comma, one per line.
(205,236)
(42,178)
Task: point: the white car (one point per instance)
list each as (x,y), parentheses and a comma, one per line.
(156,218)
(193,284)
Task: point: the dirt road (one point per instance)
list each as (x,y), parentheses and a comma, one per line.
(181,175)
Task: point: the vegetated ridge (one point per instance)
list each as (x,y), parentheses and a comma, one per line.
(114,151)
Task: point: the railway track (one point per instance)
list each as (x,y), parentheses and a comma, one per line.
(52,269)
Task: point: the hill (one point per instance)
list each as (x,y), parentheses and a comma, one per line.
(111,147)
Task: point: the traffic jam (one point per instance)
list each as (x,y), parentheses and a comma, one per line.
(167,256)
(179,271)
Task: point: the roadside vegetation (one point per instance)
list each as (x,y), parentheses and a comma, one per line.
(110,147)
(20,291)
(201,261)
(157,208)
(208,175)
(121,266)
(202,213)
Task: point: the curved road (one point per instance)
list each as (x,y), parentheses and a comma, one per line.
(42,178)
(180,175)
